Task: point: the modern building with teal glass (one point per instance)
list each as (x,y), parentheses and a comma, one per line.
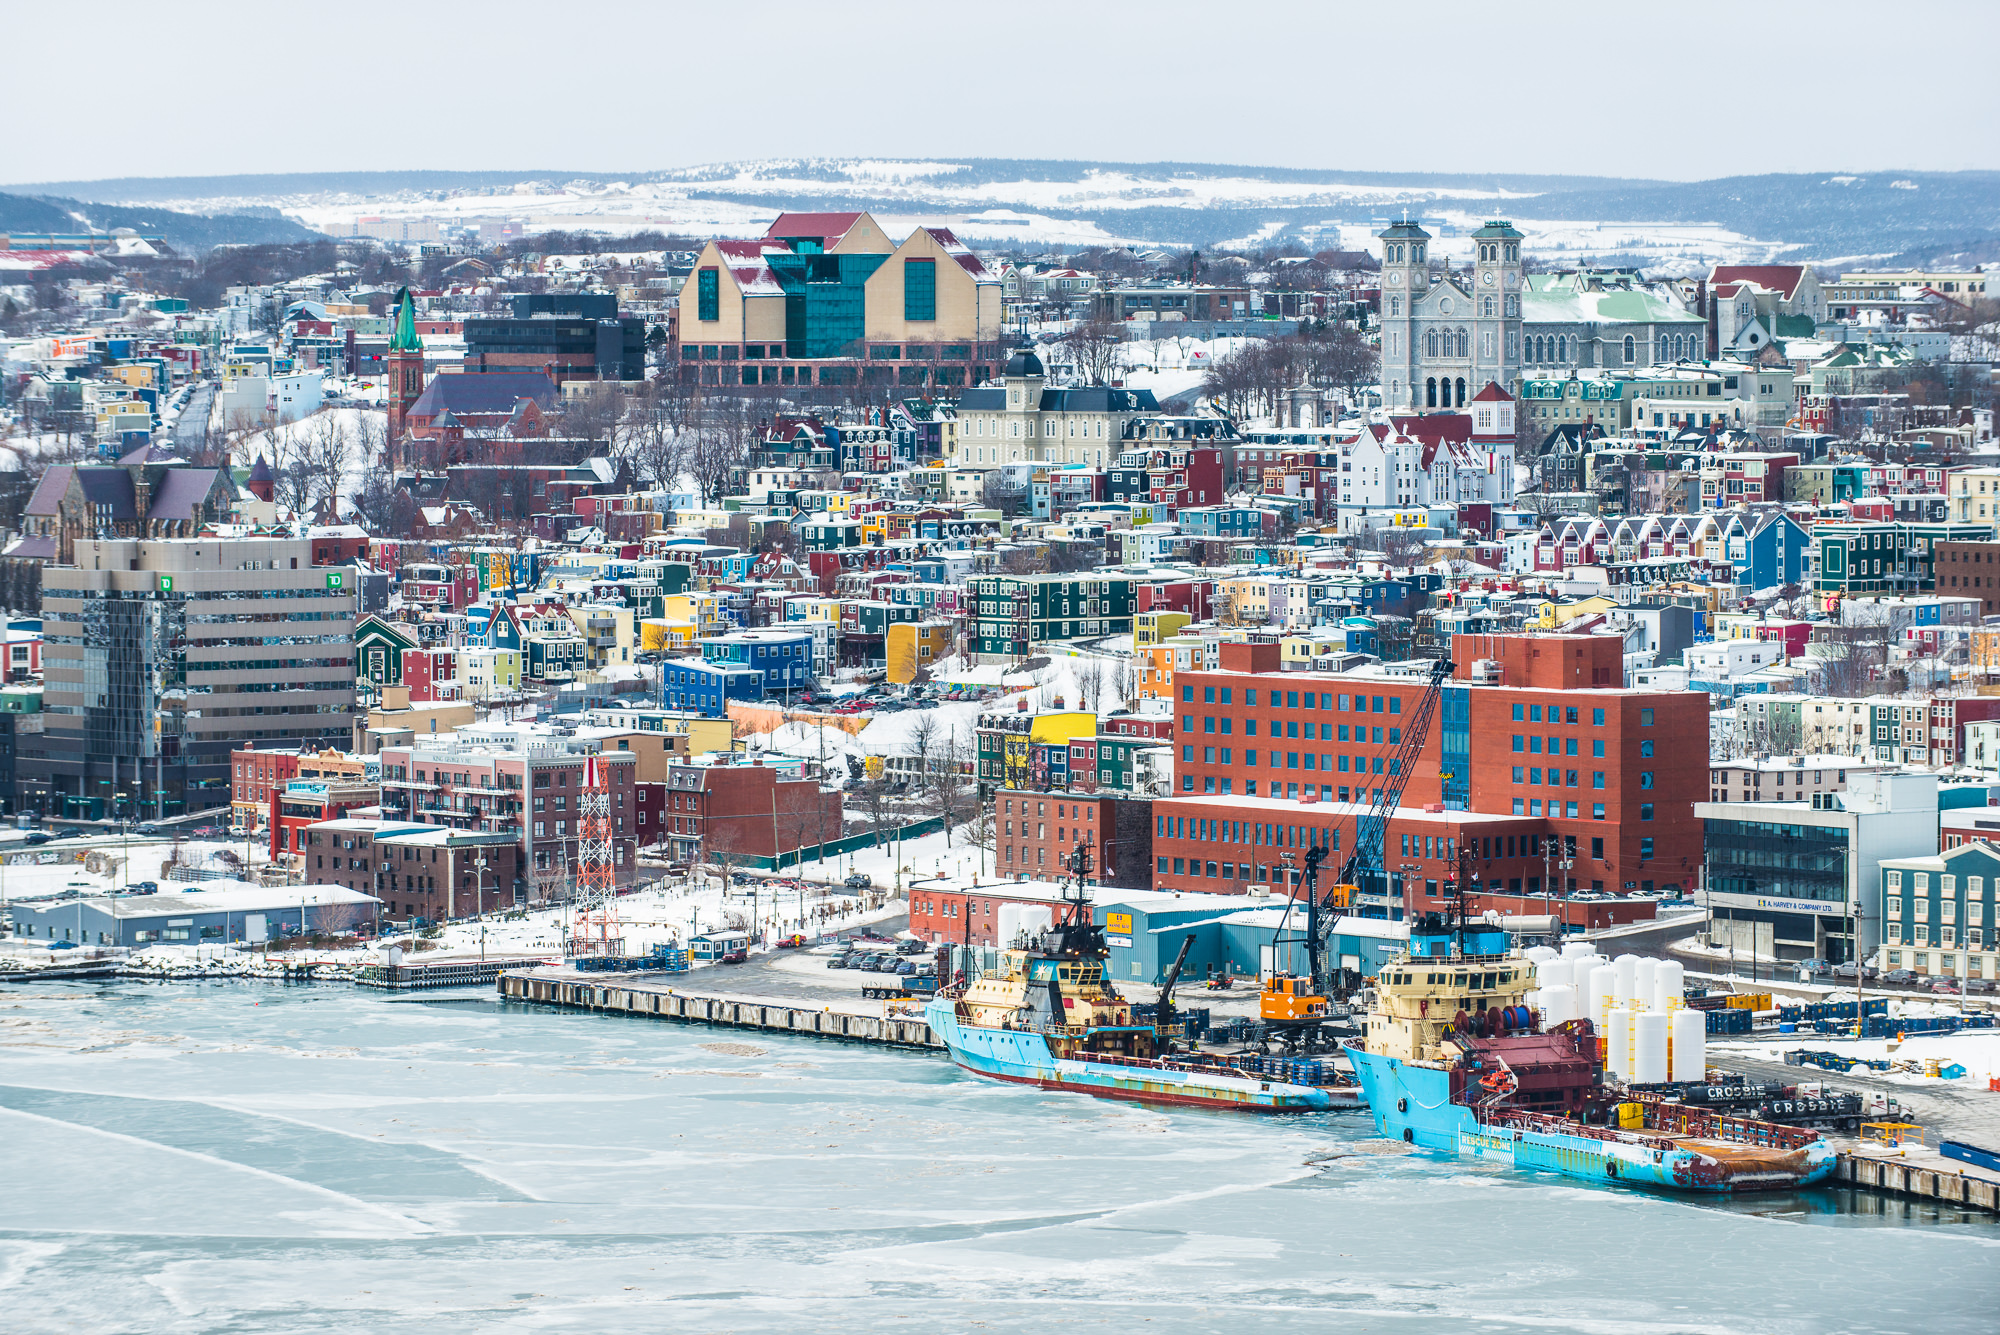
(830,299)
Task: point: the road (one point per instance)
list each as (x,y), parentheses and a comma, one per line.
(191,427)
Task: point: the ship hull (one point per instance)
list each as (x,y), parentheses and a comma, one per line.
(1024,1058)
(1413,1104)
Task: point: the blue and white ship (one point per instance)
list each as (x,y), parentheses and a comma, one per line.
(1051,1018)
(1453,1059)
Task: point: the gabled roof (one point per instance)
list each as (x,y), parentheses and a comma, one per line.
(958,250)
(1778,277)
(181,492)
(103,487)
(749,268)
(1493,394)
(828,227)
(485,392)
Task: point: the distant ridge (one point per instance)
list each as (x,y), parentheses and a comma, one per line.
(1819,215)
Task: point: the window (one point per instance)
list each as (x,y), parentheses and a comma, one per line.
(920,289)
(1645,778)
(1645,849)
(1645,718)
(707,296)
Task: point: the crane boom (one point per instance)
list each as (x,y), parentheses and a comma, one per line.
(1366,856)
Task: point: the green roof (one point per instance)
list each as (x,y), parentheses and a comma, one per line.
(1560,299)
(404,337)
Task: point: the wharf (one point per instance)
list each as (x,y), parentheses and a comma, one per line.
(665,997)
(58,972)
(440,973)
(1921,1173)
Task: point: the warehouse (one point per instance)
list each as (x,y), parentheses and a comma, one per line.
(212,913)
(1232,936)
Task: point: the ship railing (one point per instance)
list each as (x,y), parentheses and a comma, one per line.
(1516,1120)
(1685,1120)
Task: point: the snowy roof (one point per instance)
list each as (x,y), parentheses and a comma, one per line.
(1568,299)
(958,250)
(1776,277)
(224,897)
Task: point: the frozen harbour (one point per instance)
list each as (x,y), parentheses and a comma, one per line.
(250,1157)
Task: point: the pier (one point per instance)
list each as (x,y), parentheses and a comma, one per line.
(1919,1173)
(665,997)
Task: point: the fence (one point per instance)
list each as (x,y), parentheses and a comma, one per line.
(834,848)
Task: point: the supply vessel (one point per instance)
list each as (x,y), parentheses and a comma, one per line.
(1453,1058)
(1051,1017)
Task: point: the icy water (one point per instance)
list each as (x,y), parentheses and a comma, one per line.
(250,1158)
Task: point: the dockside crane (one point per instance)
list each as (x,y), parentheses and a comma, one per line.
(1294,1000)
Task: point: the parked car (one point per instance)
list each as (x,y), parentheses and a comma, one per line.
(859,880)
(734,957)
(207,831)
(911,948)
(238,832)
(1899,976)
(907,968)
(889,964)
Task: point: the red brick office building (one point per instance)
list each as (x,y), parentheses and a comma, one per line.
(1534,739)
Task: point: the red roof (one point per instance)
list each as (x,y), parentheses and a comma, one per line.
(828,227)
(1492,394)
(1778,277)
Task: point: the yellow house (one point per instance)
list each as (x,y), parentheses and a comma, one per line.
(1296,652)
(658,635)
(608,632)
(1056,725)
(1149,628)
(913,645)
(1551,615)
(700,607)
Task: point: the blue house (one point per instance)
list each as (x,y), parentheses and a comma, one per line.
(1227,521)
(707,688)
(782,659)
(1767,550)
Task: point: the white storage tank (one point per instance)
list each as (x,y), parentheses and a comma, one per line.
(1575,949)
(1603,994)
(1539,954)
(1628,977)
(1618,1042)
(1690,1047)
(1649,1047)
(1009,923)
(1558,1004)
(1642,985)
(1668,980)
(1550,972)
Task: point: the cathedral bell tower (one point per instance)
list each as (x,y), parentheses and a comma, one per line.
(1406,276)
(1496,305)
(402,370)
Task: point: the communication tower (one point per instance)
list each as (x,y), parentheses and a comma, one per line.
(597,929)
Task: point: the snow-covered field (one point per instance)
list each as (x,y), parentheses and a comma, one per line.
(1023,211)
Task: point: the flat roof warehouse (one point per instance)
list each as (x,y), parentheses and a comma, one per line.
(220,913)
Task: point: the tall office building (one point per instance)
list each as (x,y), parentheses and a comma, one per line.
(163,657)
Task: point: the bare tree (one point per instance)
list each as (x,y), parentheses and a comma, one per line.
(720,447)
(946,793)
(1093,345)
(1089,677)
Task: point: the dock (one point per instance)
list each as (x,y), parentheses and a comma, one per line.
(1919,1172)
(666,997)
(441,973)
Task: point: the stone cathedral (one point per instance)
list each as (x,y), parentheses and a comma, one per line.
(1445,340)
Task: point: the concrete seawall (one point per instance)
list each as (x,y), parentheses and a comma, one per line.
(657,998)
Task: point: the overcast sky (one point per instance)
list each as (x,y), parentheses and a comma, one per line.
(1685,90)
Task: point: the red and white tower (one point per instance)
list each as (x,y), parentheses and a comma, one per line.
(598,930)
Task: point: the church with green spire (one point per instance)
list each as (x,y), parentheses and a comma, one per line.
(402,368)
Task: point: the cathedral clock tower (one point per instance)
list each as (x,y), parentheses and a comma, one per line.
(1406,275)
(1497,284)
